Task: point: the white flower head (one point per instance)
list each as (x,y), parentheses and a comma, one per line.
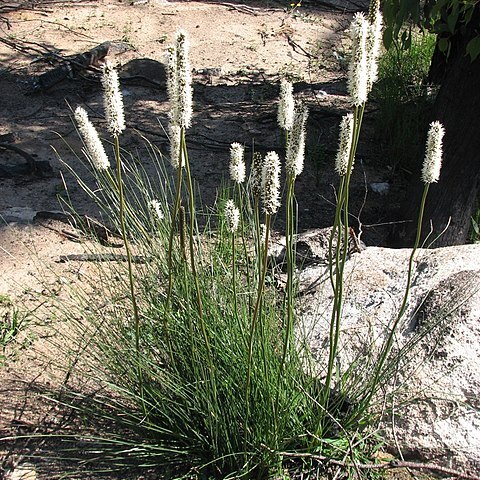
(156,209)
(232,215)
(263,232)
(256,175)
(374,43)
(271,183)
(174,133)
(179,81)
(171,70)
(286,105)
(345,144)
(358,71)
(296,142)
(433,153)
(237,163)
(113,100)
(94,147)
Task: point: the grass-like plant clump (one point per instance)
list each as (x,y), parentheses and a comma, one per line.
(196,355)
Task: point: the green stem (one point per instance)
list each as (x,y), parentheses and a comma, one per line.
(256,313)
(174,215)
(130,267)
(290,254)
(234,278)
(389,343)
(244,243)
(191,234)
(340,234)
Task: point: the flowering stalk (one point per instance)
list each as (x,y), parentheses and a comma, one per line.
(366,40)
(179,90)
(286,107)
(232,216)
(156,209)
(358,71)
(296,143)
(116,124)
(113,100)
(271,203)
(179,87)
(94,147)
(338,241)
(345,144)
(237,164)
(374,42)
(430,174)
(433,154)
(256,189)
(294,166)
(237,174)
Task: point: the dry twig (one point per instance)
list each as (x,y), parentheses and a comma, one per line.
(379,466)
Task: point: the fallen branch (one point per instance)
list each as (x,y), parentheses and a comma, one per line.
(34,167)
(92,257)
(378,466)
(83,223)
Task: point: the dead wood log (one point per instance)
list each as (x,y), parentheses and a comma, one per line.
(90,60)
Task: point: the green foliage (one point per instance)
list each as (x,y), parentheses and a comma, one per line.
(192,406)
(12,322)
(404,99)
(443,18)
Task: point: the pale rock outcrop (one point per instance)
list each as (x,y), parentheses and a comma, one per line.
(432,401)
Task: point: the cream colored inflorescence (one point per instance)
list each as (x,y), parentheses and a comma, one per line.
(179,81)
(113,100)
(232,215)
(256,175)
(286,106)
(366,43)
(296,142)
(433,153)
(345,144)
(374,42)
(271,183)
(156,209)
(237,163)
(174,132)
(358,71)
(94,147)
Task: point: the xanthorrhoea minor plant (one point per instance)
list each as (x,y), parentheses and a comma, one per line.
(216,382)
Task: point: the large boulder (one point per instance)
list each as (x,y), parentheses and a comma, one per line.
(432,406)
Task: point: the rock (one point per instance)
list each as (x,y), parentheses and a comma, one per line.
(382,188)
(432,400)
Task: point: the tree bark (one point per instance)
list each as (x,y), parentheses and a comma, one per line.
(457,107)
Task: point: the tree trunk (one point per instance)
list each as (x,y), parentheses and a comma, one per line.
(457,107)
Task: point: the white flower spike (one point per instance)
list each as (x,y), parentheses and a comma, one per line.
(433,154)
(237,163)
(179,81)
(296,142)
(358,72)
(271,183)
(94,147)
(232,215)
(345,144)
(286,105)
(113,100)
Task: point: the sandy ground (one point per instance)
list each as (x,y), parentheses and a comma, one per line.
(238,55)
